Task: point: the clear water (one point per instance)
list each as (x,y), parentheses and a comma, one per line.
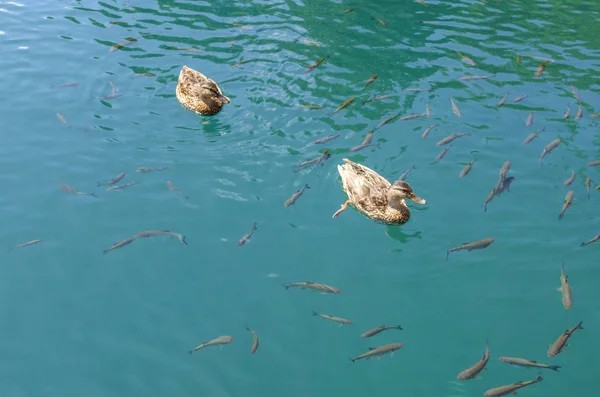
(77,322)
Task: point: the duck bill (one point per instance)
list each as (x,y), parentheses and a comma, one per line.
(223,98)
(419,200)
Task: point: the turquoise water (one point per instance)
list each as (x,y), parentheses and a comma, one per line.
(77,322)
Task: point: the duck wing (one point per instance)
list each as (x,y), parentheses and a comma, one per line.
(363,185)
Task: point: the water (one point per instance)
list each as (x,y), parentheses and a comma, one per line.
(76,322)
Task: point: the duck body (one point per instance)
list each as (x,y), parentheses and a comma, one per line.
(375,196)
(198,93)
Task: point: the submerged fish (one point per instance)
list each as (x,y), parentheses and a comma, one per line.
(326,139)
(144,170)
(570,180)
(72,84)
(532,136)
(295,196)
(69,189)
(255,342)
(523,362)
(561,341)
(371,79)
(240,63)
(567,113)
(332,318)
(412,116)
(476,368)
(120,244)
(349,10)
(63,119)
(479,244)
(529,120)
(381,21)
(519,98)
(503,172)
(427,110)
(489,198)
(565,289)
(245,239)
(508,389)
(384,122)
(221,340)
(450,138)
(579,113)
(125,43)
(466,59)
(175,189)
(442,153)
(328,289)
(467,169)
(468,78)
(550,147)
(310,106)
(593,240)
(593,163)
(377,98)
(379,351)
(567,203)
(428,130)
(119,187)
(541,69)
(588,185)
(112,181)
(345,104)
(379,329)
(316,161)
(150,233)
(366,142)
(576,93)
(455,108)
(405,173)
(316,64)
(503,100)
(416,89)
(32,242)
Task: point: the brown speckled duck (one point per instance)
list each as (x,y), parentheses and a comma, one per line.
(374,196)
(198,93)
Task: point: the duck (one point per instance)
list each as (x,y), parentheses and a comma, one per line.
(375,196)
(198,93)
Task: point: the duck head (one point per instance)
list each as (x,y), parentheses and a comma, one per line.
(399,191)
(209,90)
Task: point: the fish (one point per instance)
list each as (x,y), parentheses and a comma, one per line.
(489,198)
(112,181)
(576,93)
(455,108)
(579,113)
(362,146)
(503,172)
(428,130)
(113,88)
(255,342)
(567,113)
(595,115)
(349,10)
(588,185)
(175,189)
(143,74)
(150,233)
(316,161)
(416,89)
(125,43)
(479,244)
(567,203)
(593,163)
(379,351)
(450,138)
(550,147)
(427,110)
(120,244)
(381,21)
(519,98)
(508,389)
(379,329)
(468,78)
(384,122)
(442,153)
(540,69)
(505,185)
(345,104)
(221,340)
(316,64)
(377,98)
(371,79)
(405,173)
(593,240)
(245,239)
(328,289)
(570,180)
(111,96)
(565,289)
(466,59)
(310,42)
(476,368)
(69,189)
(144,170)
(310,106)
(422,2)
(235,65)
(332,318)
(63,119)
(561,341)
(119,187)
(503,100)
(529,120)
(32,242)
(412,116)
(532,136)
(467,169)
(523,362)
(326,139)
(295,196)
(72,84)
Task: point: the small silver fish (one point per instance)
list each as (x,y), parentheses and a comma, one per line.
(550,147)
(344,105)
(379,329)
(246,238)
(567,203)
(428,130)
(588,185)
(479,244)
(503,172)
(565,289)
(455,108)
(221,340)
(489,198)
(405,173)
(570,180)
(529,120)
(119,187)
(32,242)
(561,341)
(593,163)
(314,162)
(69,189)
(576,93)
(384,122)
(427,110)
(120,244)
(416,89)
(151,233)
(112,181)
(328,289)
(532,136)
(567,113)
(442,153)
(379,351)
(332,318)
(519,98)
(144,170)
(476,368)
(326,139)
(412,116)
(503,100)
(593,240)
(255,342)
(366,142)
(468,78)
(523,362)
(175,189)
(371,79)
(450,138)
(377,98)
(579,113)
(508,389)
(295,196)
(467,169)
